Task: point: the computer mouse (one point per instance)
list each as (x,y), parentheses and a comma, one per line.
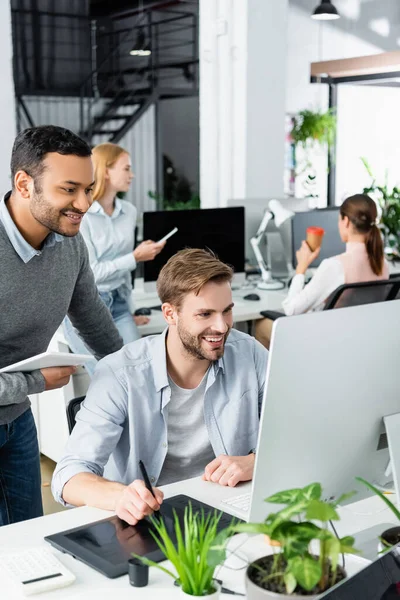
(142,312)
(252,297)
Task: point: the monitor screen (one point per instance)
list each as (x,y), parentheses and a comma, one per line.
(327,218)
(219,229)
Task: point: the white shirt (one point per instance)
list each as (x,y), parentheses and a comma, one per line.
(351,267)
(328,277)
(110,242)
(189,447)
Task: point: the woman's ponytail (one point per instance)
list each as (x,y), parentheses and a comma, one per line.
(374,247)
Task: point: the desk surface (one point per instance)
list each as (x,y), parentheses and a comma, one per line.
(91,585)
(244,310)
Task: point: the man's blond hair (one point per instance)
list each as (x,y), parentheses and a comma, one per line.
(188,271)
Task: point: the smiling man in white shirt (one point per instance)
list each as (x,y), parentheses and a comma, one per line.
(186,402)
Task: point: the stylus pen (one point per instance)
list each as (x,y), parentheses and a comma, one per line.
(146,478)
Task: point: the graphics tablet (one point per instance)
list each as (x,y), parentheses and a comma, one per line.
(47,359)
(107,545)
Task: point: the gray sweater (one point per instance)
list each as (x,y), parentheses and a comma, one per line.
(34,298)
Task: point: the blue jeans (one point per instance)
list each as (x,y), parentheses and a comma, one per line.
(20,483)
(122,318)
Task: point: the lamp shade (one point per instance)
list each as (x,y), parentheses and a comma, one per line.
(325,11)
(140,48)
(281,214)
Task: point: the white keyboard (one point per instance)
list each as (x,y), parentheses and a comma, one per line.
(238,504)
(35,570)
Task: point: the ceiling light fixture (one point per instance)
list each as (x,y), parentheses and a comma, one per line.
(325,11)
(140,48)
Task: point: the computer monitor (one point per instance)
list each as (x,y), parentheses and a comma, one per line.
(320,217)
(219,229)
(332,377)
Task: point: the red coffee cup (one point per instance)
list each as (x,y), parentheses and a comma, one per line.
(314,237)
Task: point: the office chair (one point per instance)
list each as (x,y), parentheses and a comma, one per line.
(72,410)
(369,292)
(354,294)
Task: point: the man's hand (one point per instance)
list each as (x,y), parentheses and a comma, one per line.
(147,250)
(141,319)
(230,470)
(56,377)
(136,502)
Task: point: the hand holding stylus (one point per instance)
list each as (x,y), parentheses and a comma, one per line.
(136,502)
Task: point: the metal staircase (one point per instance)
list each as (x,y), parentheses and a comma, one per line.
(117,88)
(123,87)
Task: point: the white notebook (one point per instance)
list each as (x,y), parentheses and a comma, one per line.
(47,359)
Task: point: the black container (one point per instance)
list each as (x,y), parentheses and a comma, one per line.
(138,573)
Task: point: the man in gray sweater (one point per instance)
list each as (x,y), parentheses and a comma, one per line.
(44,275)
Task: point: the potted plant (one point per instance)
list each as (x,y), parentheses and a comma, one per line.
(388,201)
(311,129)
(390,536)
(305,556)
(187,549)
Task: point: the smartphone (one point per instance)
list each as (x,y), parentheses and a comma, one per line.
(165,238)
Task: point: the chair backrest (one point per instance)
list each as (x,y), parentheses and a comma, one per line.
(369,292)
(72,410)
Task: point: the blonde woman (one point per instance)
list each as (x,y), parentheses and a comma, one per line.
(109,229)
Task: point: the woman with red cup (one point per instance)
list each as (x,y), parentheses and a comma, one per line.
(363,261)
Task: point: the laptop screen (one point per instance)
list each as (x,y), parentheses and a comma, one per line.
(379,581)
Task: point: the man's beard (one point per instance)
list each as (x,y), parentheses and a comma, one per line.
(193,344)
(48,216)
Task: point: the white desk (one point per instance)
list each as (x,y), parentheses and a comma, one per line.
(91,585)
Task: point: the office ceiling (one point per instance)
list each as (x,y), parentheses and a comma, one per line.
(374,21)
(105,8)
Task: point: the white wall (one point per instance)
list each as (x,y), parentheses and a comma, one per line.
(7,103)
(311,41)
(242,99)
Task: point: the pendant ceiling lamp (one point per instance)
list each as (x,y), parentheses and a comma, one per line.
(325,11)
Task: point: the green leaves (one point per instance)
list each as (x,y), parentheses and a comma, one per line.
(386,500)
(196,551)
(294,527)
(314,127)
(389,202)
(321,511)
(290,581)
(306,570)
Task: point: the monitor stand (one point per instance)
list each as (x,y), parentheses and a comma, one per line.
(367,540)
(392,426)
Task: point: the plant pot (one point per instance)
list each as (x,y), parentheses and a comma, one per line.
(255,592)
(214,596)
(391,536)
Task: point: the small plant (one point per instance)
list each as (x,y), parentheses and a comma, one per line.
(295,567)
(311,129)
(314,127)
(189,552)
(388,201)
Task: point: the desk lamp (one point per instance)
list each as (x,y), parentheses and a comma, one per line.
(280,214)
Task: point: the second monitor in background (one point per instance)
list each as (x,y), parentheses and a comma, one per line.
(219,229)
(327,218)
